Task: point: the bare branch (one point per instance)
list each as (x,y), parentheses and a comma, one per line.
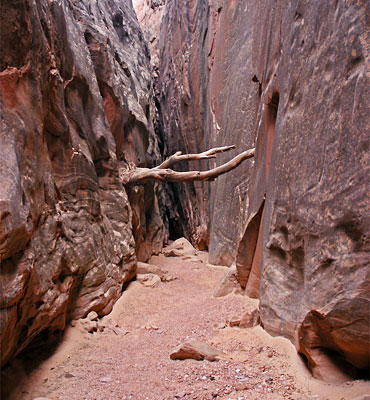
(178,157)
(138,176)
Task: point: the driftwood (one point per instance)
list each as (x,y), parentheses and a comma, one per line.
(162,173)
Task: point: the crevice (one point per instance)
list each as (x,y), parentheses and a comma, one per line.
(247,247)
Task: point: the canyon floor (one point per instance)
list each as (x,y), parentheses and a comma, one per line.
(129,358)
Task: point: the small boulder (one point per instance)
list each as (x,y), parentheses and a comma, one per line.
(235,321)
(89,326)
(180,247)
(250,318)
(92,316)
(149,280)
(195,350)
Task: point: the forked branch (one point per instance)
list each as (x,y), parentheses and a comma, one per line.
(178,157)
(162,173)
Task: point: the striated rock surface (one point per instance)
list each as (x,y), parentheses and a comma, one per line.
(76,106)
(149,14)
(293,81)
(313,243)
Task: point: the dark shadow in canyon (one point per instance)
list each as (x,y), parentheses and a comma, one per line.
(16,373)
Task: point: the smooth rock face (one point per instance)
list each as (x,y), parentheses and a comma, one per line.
(77,104)
(293,81)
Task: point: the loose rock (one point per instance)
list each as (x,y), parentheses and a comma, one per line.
(195,350)
(169,278)
(89,326)
(92,316)
(149,280)
(180,247)
(106,379)
(119,331)
(235,321)
(250,318)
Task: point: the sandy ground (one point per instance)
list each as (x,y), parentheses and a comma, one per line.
(132,361)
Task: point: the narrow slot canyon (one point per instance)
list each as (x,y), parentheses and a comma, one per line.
(184,208)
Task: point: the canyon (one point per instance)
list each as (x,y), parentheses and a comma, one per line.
(90,90)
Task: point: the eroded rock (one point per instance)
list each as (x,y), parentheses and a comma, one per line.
(77,105)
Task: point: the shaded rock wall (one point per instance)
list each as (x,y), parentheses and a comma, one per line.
(76,106)
(182,90)
(199,87)
(292,79)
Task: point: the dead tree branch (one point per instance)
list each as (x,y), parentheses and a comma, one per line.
(178,157)
(162,173)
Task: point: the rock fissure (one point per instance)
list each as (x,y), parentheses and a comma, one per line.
(95,96)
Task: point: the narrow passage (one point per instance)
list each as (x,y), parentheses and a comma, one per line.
(128,356)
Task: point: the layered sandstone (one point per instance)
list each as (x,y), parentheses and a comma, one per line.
(76,105)
(293,81)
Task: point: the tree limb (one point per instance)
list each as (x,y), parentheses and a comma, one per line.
(178,157)
(162,173)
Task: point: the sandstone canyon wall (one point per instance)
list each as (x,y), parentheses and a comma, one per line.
(292,79)
(80,101)
(76,106)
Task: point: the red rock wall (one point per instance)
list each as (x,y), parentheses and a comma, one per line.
(76,105)
(292,79)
